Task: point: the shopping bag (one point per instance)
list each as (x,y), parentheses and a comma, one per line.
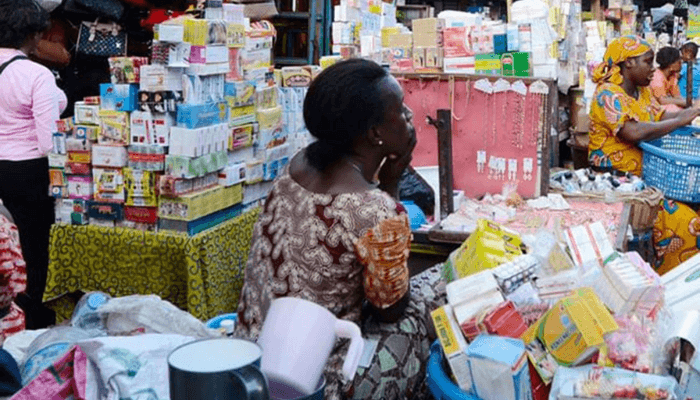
(99,39)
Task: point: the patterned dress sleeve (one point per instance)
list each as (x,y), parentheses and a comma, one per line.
(13,279)
(609,108)
(383,251)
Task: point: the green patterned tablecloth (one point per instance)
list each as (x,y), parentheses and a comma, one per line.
(202,274)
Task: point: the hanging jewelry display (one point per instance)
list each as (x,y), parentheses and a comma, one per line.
(541,91)
(512,169)
(527,169)
(485,87)
(480,161)
(520,90)
(498,125)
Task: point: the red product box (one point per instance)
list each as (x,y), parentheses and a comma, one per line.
(145,215)
(74,168)
(505,320)
(456,42)
(540,391)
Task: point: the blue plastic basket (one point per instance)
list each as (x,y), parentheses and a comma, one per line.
(215,322)
(440,385)
(672,164)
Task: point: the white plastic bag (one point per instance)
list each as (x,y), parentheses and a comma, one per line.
(49,5)
(153,315)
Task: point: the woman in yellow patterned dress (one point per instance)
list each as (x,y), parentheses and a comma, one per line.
(624,112)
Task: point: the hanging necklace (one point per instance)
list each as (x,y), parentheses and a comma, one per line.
(359,170)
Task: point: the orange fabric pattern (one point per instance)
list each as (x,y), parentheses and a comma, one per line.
(384,250)
(611,108)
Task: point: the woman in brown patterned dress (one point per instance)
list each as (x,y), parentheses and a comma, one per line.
(332,231)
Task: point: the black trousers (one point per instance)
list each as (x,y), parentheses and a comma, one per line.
(24,190)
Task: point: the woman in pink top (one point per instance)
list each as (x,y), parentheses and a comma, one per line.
(664,85)
(30,104)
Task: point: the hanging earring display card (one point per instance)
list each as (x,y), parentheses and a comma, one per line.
(498,130)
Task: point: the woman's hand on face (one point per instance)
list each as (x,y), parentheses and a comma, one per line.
(395,164)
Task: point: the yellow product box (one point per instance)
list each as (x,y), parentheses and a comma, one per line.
(139,183)
(454,345)
(570,333)
(196,31)
(114,127)
(235,35)
(295,77)
(484,225)
(387,32)
(327,61)
(269,118)
(196,205)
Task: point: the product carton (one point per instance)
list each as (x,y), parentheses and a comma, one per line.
(86,114)
(488,64)
(488,247)
(241,93)
(296,77)
(82,157)
(57,160)
(242,136)
(209,54)
(72,168)
(589,245)
(144,215)
(89,132)
(193,116)
(499,368)
(77,144)
(682,285)
(58,140)
(114,128)
(235,70)
(427,32)
(65,125)
(453,346)
(119,97)
(188,167)
(108,185)
(192,206)
(139,183)
(159,78)
(456,42)
(232,174)
(109,156)
(79,187)
(433,57)
(126,69)
(235,35)
(515,64)
(147,157)
(174,33)
(570,333)
(105,211)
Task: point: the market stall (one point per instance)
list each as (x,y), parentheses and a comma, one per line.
(202,274)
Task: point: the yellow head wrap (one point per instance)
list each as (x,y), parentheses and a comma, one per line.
(618,51)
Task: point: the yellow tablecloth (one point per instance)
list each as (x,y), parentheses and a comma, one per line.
(202,274)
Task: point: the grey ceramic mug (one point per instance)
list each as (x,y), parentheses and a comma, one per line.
(217,369)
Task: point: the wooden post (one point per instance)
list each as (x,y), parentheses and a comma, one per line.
(444,128)
(443,124)
(689,84)
(509,5)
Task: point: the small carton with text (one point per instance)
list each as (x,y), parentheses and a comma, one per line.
(109,156)
(108,185)
(453,346)
(79,187)
(499,368)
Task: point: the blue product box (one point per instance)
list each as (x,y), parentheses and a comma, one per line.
(504,358)
(105,211)
(119,97)
(193,116)
(500,44)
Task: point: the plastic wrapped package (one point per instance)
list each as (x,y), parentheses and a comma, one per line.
(595,382)
(150,314)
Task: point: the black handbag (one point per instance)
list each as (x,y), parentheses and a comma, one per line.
(104,40)
(112,9)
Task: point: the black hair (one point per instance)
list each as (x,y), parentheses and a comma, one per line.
(692,47)
(343,102)
(19,19)
(667,56)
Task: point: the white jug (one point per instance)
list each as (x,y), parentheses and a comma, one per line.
(297,338)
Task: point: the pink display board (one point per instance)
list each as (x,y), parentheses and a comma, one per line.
(506,126)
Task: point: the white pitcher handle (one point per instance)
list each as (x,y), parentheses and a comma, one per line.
(350,330)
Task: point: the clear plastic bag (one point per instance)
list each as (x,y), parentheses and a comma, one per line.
(150,314)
